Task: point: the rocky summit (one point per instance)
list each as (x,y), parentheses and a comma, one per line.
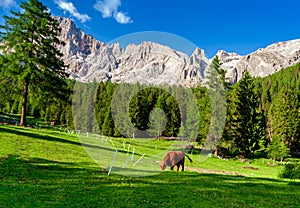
(153,63)
(261,63)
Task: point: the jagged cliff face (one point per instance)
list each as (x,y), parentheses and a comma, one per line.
(88,59)
(153,63)
(262,62)
(148,62)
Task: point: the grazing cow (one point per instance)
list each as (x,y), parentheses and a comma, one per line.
(174,158)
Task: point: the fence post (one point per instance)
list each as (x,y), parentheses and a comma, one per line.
(113,160)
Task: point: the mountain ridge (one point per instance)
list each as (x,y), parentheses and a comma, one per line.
(153,63)
(262,62)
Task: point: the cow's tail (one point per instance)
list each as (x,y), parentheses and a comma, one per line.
(189,158)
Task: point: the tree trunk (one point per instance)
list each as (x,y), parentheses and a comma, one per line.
(216,152)
(24,103)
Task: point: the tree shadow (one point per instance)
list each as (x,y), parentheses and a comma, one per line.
(38,136)
(42,182)
(53,139)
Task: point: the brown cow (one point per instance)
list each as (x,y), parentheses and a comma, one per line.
(174,158)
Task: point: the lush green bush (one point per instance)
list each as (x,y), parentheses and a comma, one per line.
(277,150)
(291,171)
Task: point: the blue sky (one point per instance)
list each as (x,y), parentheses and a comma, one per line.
(232,25)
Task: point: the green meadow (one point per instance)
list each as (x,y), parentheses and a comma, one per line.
(52,168)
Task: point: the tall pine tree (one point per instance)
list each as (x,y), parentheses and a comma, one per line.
(216,86)
(29,54)
(248,122)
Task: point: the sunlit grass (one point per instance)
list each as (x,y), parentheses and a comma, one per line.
(45,168)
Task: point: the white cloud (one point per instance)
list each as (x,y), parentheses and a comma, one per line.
(69,7)
(122,18)
(6,4)
(109,8)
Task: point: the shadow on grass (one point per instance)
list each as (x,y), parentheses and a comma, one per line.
(36,182)
(37,136)
(53,138)
(13,167)
(294,183)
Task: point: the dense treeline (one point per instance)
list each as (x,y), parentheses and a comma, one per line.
(280,101)
(46,105)
(262,113)
(263,116)
(92,110)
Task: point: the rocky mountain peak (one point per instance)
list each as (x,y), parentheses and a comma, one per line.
(77,42)
(227,56)
(198,52)
(153,63)
(147,62)
(261,63)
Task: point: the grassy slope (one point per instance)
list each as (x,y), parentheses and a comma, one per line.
(42,168)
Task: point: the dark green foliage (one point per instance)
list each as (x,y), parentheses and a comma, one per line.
(141,105)
(247,122)
(226,145)
(216,67)
(40,106)
(216,87)
(84,106)
(284,118)
(280,99)
(204,107)
(139,110)
(29,58)
(291,171)
(276,98)
(104,119)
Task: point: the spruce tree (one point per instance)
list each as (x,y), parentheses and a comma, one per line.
(216,86)
(226,144)
(248,122)
(158,122)
(174,117)
(29,53)
(203,102)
